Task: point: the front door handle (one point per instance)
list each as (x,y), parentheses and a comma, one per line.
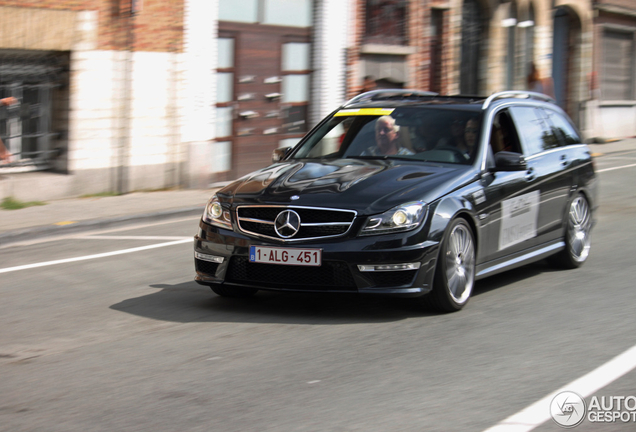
(530,174)
(564,160)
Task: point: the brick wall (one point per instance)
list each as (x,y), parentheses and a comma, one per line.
(627,4)
(418,26)
(158,26)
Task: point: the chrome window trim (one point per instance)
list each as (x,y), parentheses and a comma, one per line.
(554,150)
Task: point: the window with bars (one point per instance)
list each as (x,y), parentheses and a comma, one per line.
(30,128)
(386,22)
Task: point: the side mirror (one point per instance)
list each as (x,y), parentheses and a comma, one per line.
(510,161)
(280,153)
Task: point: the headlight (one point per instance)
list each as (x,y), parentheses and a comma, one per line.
(403,218)
(215,214)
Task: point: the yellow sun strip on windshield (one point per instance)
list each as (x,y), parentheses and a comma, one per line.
(364,111)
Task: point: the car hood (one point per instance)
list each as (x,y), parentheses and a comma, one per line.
(367,186)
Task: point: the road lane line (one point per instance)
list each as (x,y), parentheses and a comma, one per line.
(106,237)
(90,257)
(615,168)
(539,412)
(68,236)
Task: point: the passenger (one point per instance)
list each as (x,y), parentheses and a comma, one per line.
(386,139)
(463,137)
(498,140)
(470,138)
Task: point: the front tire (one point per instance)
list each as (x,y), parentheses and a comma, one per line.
(577,235)
(455,272)
(234,292)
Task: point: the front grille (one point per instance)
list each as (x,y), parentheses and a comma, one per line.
(392,278)
(205,266)
(331,275)
(315,223)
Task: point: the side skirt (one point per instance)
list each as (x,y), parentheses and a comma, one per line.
(535,254)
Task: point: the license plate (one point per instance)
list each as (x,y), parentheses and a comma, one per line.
(286,256)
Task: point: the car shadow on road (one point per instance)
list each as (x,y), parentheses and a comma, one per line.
(189,302)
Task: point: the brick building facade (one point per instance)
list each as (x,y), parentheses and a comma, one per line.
(189,92)
(611,105)
(97,87)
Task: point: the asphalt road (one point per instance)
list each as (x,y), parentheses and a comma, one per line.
(128,342)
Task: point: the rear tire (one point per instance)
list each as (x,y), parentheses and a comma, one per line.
(577,235)
(234,292)
(455,272)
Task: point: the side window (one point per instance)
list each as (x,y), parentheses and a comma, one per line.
(536,136)
(562,128)
(503,135)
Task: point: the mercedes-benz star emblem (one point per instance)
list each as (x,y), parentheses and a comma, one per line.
(287,224)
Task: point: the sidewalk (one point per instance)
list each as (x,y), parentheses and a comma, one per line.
(76,215)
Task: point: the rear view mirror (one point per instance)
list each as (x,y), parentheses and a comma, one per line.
(509,161)
(280,153)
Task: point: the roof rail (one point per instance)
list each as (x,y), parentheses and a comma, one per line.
(516,94)
(390,94)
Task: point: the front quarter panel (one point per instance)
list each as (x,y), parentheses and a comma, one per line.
(449,208)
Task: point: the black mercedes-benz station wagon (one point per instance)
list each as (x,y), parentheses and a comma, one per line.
(407,193)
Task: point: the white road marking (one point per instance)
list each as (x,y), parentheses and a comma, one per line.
(539,412)
(106,237)
(610,158)
(214,358)
(130,227)
(313,382)
(90,257)
(616,168)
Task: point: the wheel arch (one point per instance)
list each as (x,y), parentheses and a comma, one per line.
(449,209)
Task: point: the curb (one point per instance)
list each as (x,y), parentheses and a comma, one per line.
(44,231)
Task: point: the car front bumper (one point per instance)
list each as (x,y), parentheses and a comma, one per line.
(222,257)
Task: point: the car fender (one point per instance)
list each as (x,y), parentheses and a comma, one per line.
(446,210)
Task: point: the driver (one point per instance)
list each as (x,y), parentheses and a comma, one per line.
(386,139)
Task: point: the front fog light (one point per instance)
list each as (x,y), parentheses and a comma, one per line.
(389,267)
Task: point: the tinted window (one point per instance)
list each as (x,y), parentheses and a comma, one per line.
(533,129)
(562,128)
(503,135)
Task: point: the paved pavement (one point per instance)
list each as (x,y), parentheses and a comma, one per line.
(74,215)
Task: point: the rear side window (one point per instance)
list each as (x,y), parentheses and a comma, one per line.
(562,128)
(535,133)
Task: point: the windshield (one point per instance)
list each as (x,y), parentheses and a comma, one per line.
(433,134)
